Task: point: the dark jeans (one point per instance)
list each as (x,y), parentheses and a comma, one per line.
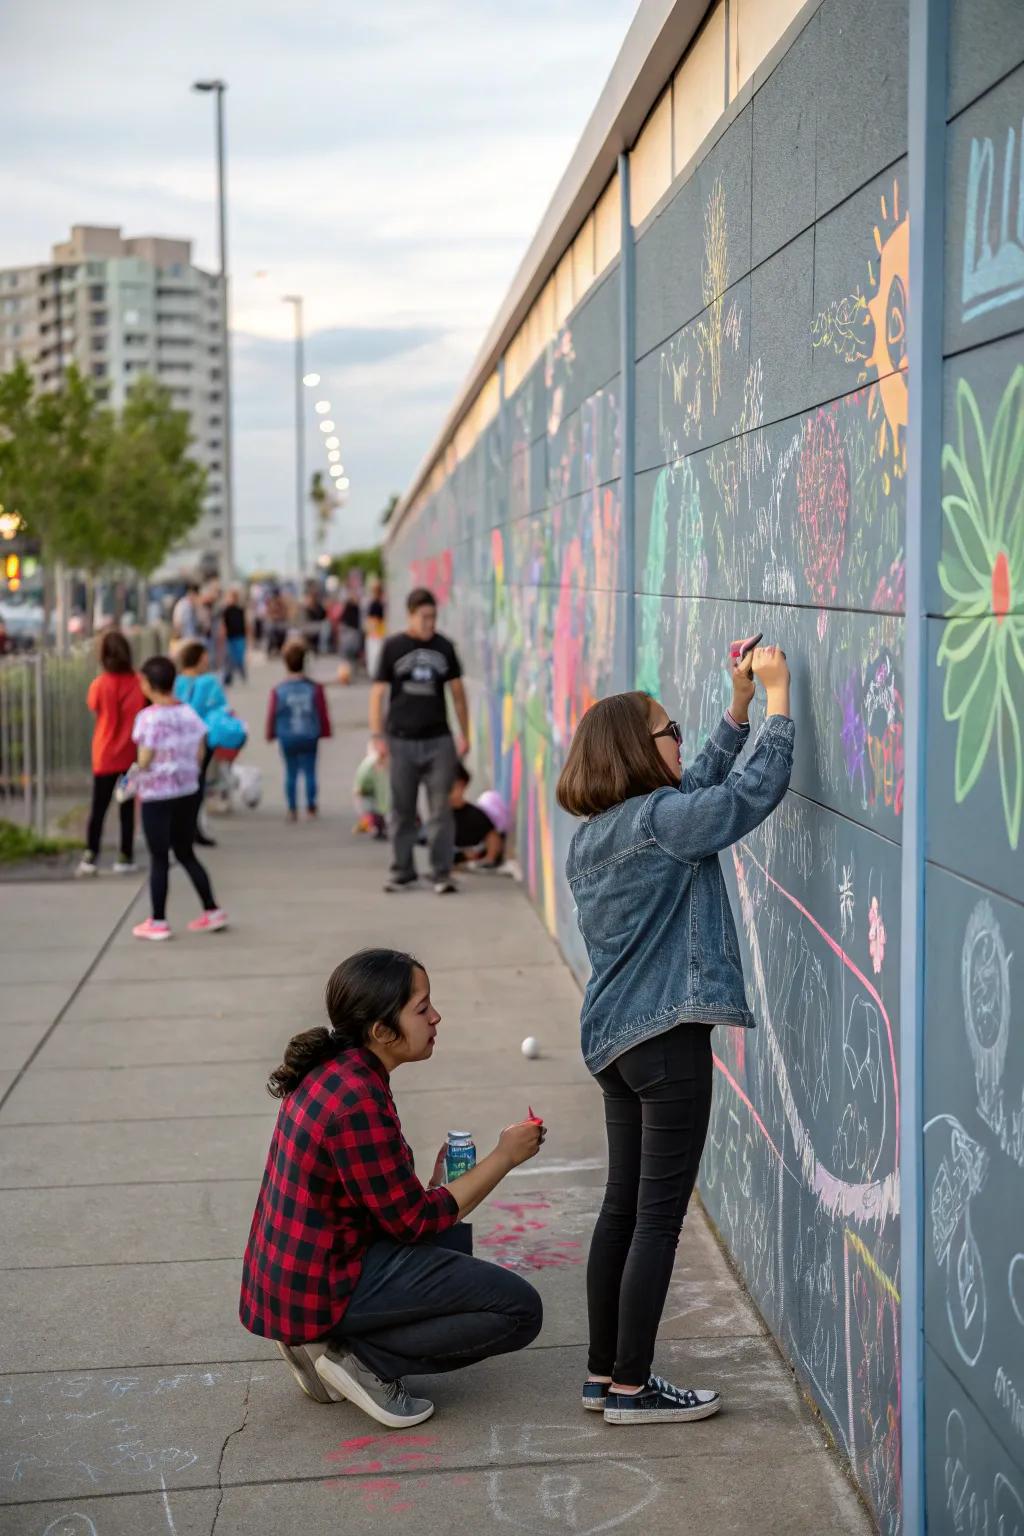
(423,1308)
(299,760)
(431,762)
(170,827)
(657,1101)
(103,785)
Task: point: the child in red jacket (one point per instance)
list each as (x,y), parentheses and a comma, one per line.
(115,698)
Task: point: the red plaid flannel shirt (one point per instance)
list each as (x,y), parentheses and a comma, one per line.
(339,1176)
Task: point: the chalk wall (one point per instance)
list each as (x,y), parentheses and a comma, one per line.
(974,993)
(770,493)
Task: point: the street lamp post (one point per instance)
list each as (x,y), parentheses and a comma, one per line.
(295,301)
(218,87)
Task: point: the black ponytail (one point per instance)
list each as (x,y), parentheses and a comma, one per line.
(371,987)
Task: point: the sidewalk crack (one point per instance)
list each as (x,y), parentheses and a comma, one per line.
(223,1452)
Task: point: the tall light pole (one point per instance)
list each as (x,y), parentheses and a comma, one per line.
(295,301)
(218,87)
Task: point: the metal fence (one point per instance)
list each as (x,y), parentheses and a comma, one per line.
(46,727)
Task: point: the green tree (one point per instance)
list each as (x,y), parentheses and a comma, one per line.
(369,561)
(151,491)
(51,454)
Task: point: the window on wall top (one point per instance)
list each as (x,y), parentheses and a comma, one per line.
(754,29)
(698,90)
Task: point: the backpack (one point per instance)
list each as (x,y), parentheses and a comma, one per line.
(296,720)
(224,731)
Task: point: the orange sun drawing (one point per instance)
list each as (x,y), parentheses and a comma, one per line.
(886,362)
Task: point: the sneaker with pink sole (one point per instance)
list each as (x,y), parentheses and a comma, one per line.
(151,929)
(209,922)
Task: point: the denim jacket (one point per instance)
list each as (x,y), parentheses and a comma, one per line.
(651,899)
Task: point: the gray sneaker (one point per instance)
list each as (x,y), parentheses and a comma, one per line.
(386,1401)
(300,1360)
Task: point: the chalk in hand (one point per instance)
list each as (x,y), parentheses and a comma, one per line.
(531,1118)
(743,648)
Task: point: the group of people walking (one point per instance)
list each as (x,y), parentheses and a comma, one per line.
(359,1271)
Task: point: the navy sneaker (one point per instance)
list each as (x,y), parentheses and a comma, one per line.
(661,1403)
(595,1395)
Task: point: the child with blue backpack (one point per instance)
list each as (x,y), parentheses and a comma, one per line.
(297,718)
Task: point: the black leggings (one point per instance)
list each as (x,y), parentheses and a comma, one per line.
(657,1102)
(103,785)
(170,827)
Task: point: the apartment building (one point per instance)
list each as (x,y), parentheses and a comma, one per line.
(120,308)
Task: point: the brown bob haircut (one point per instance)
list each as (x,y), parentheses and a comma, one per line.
(613,757)
(115,652)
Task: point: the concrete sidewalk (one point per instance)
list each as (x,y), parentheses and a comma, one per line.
(132,1140)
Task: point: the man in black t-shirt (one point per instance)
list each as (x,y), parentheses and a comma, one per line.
(415,669)
(233,622)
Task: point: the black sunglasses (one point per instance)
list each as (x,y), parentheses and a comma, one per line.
(671,729)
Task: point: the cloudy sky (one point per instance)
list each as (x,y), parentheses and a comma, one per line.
(390,162)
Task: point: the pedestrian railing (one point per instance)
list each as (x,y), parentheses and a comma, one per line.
(46,726)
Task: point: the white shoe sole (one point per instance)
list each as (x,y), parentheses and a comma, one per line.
(661,1415)
(335,1376)
(86,871)
(303,1369)
(591,1406)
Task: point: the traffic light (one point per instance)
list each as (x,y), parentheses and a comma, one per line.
(12,571)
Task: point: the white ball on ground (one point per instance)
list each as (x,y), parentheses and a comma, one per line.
(530,1048)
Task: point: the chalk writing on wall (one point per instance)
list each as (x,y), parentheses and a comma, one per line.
(993,273)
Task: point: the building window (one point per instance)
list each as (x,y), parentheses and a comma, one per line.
(98,293)
(99,344)
(99,370)
(214,397)
(98,317)
(94,268)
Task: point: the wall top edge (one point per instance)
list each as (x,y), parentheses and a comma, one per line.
(657,38)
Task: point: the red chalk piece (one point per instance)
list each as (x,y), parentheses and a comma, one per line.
(531,1118)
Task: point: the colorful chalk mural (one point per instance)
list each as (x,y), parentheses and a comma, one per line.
(770,486)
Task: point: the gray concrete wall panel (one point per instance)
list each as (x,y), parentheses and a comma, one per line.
(863,82)
(785,112)
(986,41)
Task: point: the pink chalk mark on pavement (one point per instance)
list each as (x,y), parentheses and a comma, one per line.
(514,1242)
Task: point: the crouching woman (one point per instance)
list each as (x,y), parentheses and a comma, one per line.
(352,1266)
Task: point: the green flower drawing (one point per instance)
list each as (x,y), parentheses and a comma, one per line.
(982,572)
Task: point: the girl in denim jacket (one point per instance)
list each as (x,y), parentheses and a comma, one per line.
(654,913)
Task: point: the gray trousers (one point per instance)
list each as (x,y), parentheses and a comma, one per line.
(414,763)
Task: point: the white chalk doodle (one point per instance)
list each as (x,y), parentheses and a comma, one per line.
(960,1174)
(1015,1286)
(74,1524)
(976,1511)
(985,983)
